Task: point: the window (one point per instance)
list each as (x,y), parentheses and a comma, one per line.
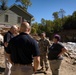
(19,20)
(6,18)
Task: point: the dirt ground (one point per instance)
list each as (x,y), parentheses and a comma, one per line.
(66,67)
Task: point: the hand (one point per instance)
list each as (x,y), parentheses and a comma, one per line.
(34,69)
(59,55)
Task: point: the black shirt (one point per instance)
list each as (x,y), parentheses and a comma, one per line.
(7,37)
(54,51)
(22,49)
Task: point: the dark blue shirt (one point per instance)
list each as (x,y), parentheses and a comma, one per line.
(7,37)
(22,49)
(54,51)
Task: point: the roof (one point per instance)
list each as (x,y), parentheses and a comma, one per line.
(21,10)
(2,11)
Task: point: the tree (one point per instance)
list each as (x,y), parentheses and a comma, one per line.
(70,22)
(43,22)
(3,5)
(55,14)
(33,30)
(74,20)
(61,14)
(48,28)
(25,3)
(74,14)
(57,25)
(41,28)
(35,25)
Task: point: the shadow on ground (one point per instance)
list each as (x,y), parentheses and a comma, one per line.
(2,70)
(38,72)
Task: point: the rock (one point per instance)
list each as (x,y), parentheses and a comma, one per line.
(69,53)
(73,56)
(74,63)
(66,54)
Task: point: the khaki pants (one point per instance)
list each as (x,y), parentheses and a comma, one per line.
(55,65)
(21,70)
(8,67)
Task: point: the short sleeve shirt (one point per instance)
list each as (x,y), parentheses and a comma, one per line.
(22,49)
(54,51)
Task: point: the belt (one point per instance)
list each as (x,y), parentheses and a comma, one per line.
(22,64)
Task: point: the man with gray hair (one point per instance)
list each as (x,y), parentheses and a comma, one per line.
(7,37)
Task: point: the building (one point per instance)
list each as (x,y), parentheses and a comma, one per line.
(14,15)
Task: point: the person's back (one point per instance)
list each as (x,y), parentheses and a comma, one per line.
(23,47)
(22,51)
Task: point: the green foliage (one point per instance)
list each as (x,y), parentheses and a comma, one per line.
(57,25)
(24,3)
(43,21)
(3,5)
(41,28)
(55,14)
(47,26)
(33,30)
(74,14)
(61,13)
(70,22)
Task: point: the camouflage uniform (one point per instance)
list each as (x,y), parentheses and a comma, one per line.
(43,45)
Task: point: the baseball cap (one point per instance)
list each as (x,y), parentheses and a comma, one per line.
(58,37)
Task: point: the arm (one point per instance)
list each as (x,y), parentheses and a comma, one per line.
(36,55)
(36,62)
(62,52)
(8,51)
(5,44)
(48,44)
(39,43)
(6,39)
(8,56)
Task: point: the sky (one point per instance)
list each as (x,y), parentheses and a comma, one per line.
(45,8)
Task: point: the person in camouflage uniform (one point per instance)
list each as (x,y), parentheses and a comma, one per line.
(43,45)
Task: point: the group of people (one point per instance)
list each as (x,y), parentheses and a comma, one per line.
(23,54)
